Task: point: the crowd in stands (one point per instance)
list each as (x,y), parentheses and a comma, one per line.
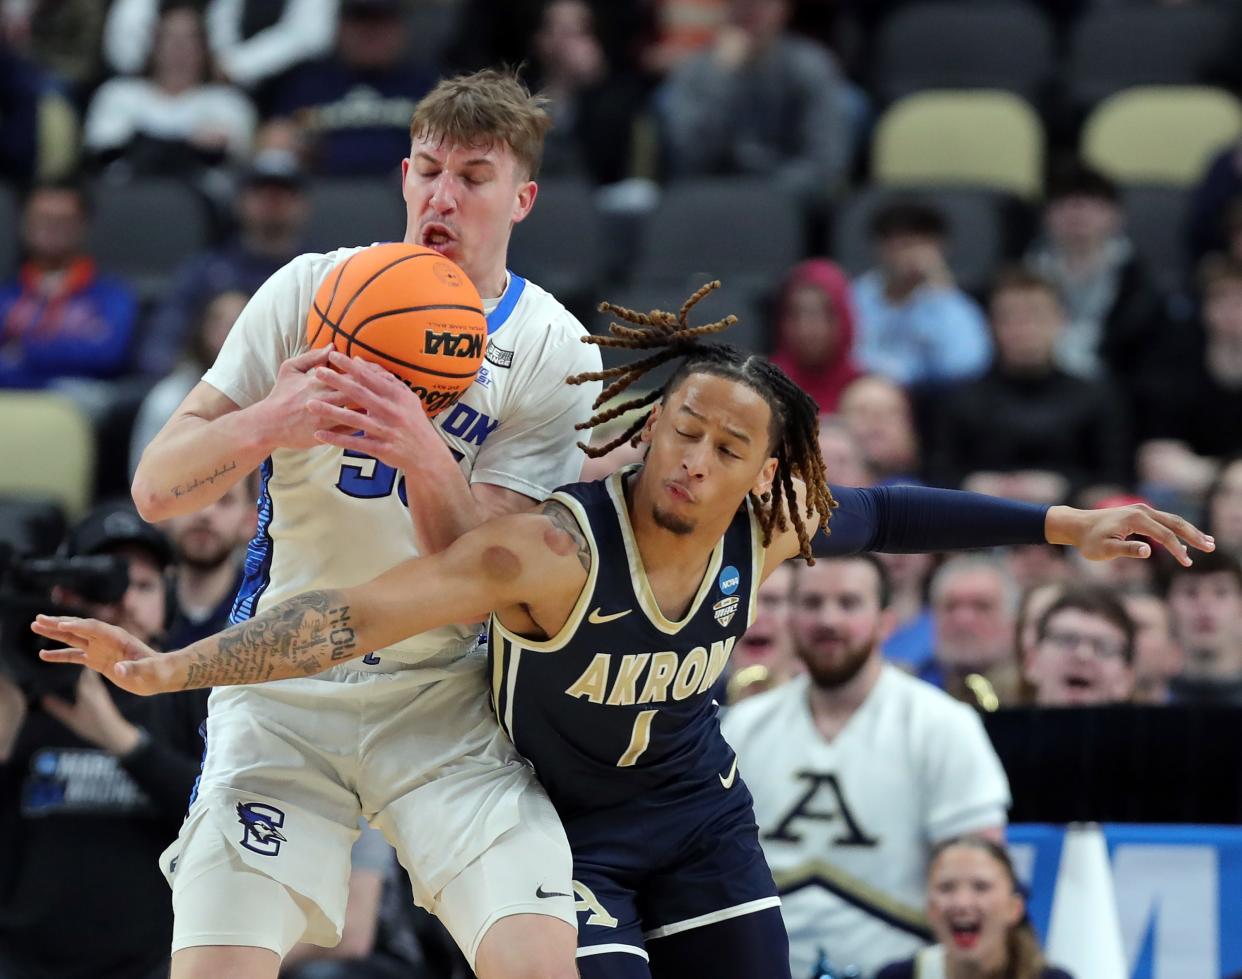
(1085,359)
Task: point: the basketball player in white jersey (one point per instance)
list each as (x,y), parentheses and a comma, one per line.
(405,736)
(858,770)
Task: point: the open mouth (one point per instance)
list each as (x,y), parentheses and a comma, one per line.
(1073,682)
(965,934)
(437,237)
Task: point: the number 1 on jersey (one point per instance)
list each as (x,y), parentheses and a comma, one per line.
(639,739)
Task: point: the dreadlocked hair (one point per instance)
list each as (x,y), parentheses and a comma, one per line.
(794,430)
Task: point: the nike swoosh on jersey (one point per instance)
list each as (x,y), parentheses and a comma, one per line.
(540,892)
(727,780)
(597,616)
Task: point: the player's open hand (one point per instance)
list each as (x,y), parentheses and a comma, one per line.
(380,417)
(106,649)
(1101,535)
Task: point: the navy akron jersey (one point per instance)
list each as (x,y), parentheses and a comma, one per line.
(617,709)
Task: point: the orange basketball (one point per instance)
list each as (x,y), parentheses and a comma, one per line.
(408,309)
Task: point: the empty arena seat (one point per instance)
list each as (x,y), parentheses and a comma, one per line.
(142,231)
(983,138)
(742,231)
(1160,134)
(944,44)
(350,211)
(977,232)
(1118,47)
(49,450)
(560,243)
(10,223)
(1156,218)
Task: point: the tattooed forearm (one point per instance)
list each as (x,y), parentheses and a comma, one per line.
(299,637)
(181,489)
(564,521)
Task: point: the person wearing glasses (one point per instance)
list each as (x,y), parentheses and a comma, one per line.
(1083,655)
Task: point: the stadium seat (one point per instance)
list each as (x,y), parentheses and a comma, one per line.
(1156,218)
(977,240)
(1157,134)
(10,214)
(49,450)
(1113,48)
(984,138)
(1004,45)
(142,231)
(560,244)
(354,211)
(742,231)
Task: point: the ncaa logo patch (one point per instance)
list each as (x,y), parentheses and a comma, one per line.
(725,609)
(729,580)
(261,824)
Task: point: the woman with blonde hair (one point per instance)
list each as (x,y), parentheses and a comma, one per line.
(978,915)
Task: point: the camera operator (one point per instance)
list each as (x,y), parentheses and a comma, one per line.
(93,782)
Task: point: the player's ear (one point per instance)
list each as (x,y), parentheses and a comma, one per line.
(527,191)
(763,482)
(645,434)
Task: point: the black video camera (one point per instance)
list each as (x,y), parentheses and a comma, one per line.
(26,585)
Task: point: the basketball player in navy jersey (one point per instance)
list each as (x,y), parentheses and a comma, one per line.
(613,611)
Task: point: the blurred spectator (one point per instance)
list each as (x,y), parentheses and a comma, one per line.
(272,211)
(251,40)
(1189,422)
(1221,183)
(164,398)
(61,318)
(592,103)
(173,119)
(843,458)
(1205,601)
(912,640)
(93,789)
(815,331)
(978,915)
(1112,310)
(1038,564)
(764,657)
(760,101)
(1084,650)
(914,324)
(680,29)
(207,571)
(1027,429)
(353,108)
(1157,655)
(37,125)
(1233,230)
(881,417)
(825,756)
(973,603)
(1034,603)
(62,36)
(1222,506)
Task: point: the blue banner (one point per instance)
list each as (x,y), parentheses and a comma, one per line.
(1179,894)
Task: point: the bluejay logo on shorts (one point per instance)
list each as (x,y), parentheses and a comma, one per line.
(729,580)
(262,824)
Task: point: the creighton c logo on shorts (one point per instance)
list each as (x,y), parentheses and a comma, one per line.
(261,824)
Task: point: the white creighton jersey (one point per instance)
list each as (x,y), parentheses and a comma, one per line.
(847,824)
(332,518)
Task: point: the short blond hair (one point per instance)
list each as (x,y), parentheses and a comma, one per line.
(482,109)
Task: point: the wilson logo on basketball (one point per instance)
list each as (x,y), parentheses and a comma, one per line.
(453,344)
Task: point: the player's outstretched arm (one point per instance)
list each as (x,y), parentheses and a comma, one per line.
(521,560)
(914,519)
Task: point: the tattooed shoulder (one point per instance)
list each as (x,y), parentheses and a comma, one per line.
(570,538)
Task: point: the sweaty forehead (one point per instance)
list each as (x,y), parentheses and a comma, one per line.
(724,403)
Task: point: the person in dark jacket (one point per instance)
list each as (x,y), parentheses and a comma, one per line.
(93,785)
(1027,428)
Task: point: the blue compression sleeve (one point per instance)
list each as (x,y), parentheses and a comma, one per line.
(915,519)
